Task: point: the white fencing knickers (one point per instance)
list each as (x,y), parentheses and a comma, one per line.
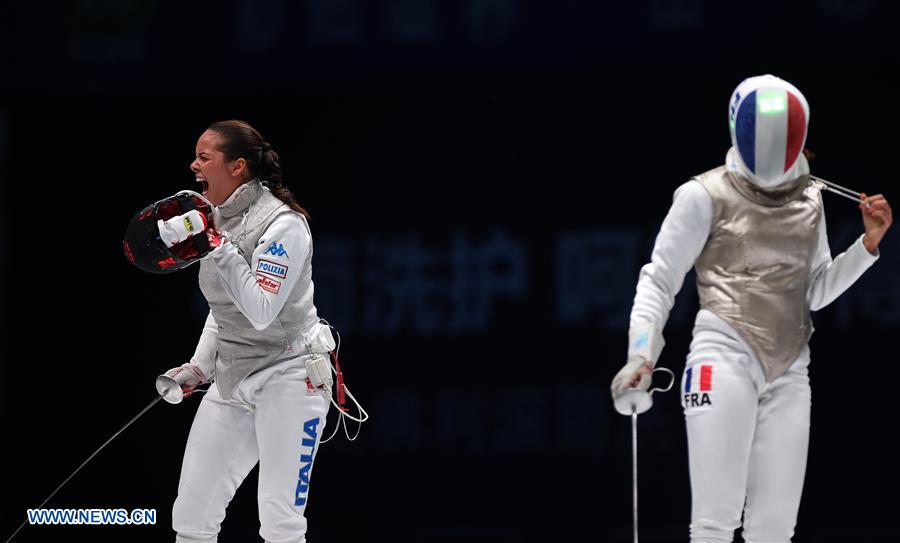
(747,440)
(275,419)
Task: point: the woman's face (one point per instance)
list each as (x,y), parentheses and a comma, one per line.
(218,176)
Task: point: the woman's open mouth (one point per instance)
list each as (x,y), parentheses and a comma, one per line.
(204,185)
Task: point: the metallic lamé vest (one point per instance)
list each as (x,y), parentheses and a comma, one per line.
(241,349)
(754,271)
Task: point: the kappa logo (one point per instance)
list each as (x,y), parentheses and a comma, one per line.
(276,249)
(306,460)
(271,268)
(698,386)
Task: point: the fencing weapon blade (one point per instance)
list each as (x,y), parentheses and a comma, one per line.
(122,429)
(634,470)
(633,402)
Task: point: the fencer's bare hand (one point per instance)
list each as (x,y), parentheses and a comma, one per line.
(877,218)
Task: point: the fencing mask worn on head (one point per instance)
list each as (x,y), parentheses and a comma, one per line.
(768,118)
(170,235)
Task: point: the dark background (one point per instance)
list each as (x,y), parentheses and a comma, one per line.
(486,178)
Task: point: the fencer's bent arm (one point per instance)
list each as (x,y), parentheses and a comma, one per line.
(241,282)
(830,278)
(680,241)
(205,353)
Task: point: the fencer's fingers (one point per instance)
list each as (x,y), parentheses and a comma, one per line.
(883,205)
(879,204)
(863,200)
(869,209)
(881,215)
(870,200)
(875,211)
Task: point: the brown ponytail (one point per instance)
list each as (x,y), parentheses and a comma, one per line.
(240,140)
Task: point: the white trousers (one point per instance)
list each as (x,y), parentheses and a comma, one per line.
(273,419)
(747,441)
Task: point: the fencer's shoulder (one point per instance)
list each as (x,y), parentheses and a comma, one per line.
(711,179)
(288,220)
(692,191)
(287,236)
(714,182)
(692,204)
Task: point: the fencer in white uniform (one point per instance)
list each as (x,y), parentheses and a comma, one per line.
(261,331)
(754,230)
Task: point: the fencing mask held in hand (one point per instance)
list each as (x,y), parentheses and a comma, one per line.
(170,235)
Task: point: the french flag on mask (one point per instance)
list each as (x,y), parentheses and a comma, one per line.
(698,378)
(768,119)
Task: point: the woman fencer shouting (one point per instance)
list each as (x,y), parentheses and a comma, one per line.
(261,335)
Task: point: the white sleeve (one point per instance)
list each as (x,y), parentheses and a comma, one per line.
(830,278)
(205,353)
(260,290)
(681,239)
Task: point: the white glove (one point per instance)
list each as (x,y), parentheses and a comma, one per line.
(636,373)
(188,376)
(181,227)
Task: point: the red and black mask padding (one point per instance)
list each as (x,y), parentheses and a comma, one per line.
(145,249)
